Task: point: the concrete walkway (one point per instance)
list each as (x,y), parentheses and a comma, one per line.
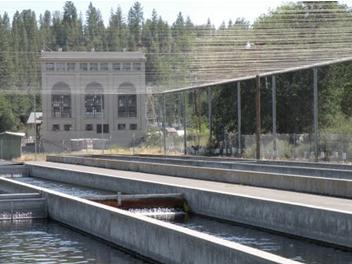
(310,200)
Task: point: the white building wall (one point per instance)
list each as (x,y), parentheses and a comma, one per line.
(78,81)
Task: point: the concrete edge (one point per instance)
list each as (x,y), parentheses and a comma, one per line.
(312,222)
(256,255)
(290,182)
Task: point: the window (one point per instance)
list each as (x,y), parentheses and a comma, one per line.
(133,126)
(94,103)
(61,105)
(67,127)
(83,66)
(56,127)
(116,66)
(126,66)
(104,66)
(71,66)
(93,66)
(50,66)
(60,67)
(89,127)
(121,126)
(127,105)
(137,66)
(105,128)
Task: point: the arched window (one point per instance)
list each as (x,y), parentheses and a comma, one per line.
(94,99)
(61,100)
(127,100)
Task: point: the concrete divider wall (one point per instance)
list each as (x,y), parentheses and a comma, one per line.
(309,164)
(297,219)
(164,242)
(236,165)
(308,184)
(8,170)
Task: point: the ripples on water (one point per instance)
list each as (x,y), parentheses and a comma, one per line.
(296,249)
(66,188)
(48,242)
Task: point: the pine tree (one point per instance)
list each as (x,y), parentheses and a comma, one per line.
(117,32)
(135,23)
(94,29)
(71,27)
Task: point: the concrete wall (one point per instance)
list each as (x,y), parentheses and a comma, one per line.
(265,167)
(323,186)
(297,219)
(149,237)
(308,164)
(10,170)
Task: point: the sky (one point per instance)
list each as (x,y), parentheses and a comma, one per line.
(198,10)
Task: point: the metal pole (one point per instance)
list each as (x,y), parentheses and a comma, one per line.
(184,123)
(210,114)
(1,149)
(258,121)
(102,122)
(239,118)
(163,124)
(315,84)
(35,126)
(273,83)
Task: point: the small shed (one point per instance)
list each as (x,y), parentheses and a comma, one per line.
(34,122)
(10,145)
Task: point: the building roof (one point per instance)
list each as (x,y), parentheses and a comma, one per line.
(38,118)
(89,55)
(264,73)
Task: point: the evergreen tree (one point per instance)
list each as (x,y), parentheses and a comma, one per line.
(94,29)
(5,70)
(117,31)
(71,26)
(135,23)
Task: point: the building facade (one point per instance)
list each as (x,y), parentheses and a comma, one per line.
(92,95)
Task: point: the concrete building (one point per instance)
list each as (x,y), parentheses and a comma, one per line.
(92,95)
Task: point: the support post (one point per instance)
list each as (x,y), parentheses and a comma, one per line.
(102,122)
(239,119)
(258,120)
(184,123)
(35,126)
(273,94)
(164,123)
(210,113)
(315,84)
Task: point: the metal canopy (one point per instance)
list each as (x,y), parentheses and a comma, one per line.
(250,77)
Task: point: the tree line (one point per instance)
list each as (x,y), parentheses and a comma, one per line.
(176,57)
